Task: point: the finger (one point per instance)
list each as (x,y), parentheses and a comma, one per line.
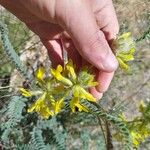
(93,90)
(95,93)
(72,52)
(80,23)
(104,80)
(54,48)
(107,20)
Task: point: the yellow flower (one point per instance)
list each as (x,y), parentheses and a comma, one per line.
(91,82)
(79,92)
(74,103)
(46,107)
(124,48)
(41,107)
(134,139)
(58,105)
(28,93)
(122,64)
(25,92)
(138,137)
(125,35)
(57,74)
(86,79)
(71,71)
(52,93)
(40,73)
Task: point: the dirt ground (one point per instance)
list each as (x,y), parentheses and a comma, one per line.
(134,16)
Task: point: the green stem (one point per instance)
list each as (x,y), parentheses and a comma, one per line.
(95,109)
(10,52)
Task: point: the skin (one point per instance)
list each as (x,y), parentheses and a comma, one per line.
(83,27)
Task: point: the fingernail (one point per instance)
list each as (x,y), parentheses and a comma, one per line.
(110,62)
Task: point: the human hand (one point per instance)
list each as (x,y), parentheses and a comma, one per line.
(83,27)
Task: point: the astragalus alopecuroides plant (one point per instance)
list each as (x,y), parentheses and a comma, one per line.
(64,88)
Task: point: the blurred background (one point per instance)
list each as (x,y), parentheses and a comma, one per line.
(128,88)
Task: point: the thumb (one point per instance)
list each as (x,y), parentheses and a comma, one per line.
(80,23)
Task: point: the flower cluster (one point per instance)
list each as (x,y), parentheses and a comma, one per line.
(62,83)
(139,126)
(124,48)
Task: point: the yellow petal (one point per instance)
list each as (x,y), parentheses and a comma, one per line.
(122,64)
(130,51)
(25,92)
(75,103)
(124,48)
(38,104)
(125,35)
(59,68)
(58,105)
(136,138)
(45,112)
(86,95)
(40,73)
(81,107)
(57,72)
(91,82)
(125,57)
(31,108)
(59,77)
(70,69)
(86,79)
(76,91)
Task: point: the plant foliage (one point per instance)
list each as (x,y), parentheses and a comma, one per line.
(10,52)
